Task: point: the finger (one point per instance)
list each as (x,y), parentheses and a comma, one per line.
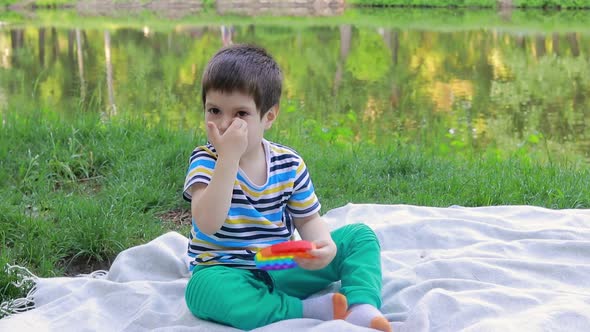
(317,252)
(213,132)
(313,254)
(237,124)
(305,260)
(321,244)
(308,264)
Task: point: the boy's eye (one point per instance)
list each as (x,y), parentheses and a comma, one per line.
(214,110)
(242,114)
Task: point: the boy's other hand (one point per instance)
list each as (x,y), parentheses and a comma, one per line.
(232,143)
(324,253)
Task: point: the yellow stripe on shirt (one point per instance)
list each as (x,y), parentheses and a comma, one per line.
(200,169)
(272,190)
(304,204)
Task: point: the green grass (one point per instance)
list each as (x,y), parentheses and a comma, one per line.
(551,3)
(473,3)
(80,190)
(425,3)
(440,19)
(403,176)
(39,3)
(414,3)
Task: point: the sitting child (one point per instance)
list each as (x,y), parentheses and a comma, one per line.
(247,193)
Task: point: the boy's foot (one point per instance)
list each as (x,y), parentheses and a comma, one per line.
(325,307)
(369,316)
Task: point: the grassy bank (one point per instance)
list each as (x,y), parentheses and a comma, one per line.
(410,3)
(75,192)
(39,3)
(442,19)
(572,4)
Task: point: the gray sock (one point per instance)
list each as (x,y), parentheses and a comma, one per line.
(326,307)
(368,316)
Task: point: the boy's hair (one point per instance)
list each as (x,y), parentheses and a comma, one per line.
(248,69)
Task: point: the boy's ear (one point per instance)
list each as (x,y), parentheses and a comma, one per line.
(271,116)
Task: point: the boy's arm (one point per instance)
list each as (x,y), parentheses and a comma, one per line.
(316,230)
(210,203)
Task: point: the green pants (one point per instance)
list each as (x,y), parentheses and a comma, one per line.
(249,299)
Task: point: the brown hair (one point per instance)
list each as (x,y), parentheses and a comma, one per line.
(248,69)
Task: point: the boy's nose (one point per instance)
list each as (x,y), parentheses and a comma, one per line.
(224,124)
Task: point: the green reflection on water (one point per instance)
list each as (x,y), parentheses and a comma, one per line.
(456,92)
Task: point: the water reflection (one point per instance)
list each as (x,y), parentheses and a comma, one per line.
(455,92)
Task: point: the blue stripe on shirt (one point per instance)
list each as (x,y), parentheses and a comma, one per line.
(281,177)
(303,195)
(271,217)
(207,163)
(227,243)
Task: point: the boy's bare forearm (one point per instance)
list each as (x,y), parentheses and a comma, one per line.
(210,208)
(313,229)
(316,230)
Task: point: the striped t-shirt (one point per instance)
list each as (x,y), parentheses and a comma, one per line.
(259,215)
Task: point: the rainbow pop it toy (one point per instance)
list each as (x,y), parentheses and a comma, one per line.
(280,256)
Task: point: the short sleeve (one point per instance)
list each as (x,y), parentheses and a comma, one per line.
(303,201)
(200,169)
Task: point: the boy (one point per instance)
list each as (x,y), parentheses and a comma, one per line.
(247,193)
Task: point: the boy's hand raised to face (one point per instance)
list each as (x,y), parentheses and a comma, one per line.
(233,142)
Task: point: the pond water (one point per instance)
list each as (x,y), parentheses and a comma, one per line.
(453,89)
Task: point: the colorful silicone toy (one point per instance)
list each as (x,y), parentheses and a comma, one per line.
(280,256)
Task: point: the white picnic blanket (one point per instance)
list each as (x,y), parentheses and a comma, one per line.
(505,268)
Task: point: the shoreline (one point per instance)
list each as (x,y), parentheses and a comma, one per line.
(256,5)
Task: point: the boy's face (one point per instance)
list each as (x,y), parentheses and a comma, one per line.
(223,108)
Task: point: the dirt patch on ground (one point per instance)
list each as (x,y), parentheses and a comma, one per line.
(82,264)
(179,217)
